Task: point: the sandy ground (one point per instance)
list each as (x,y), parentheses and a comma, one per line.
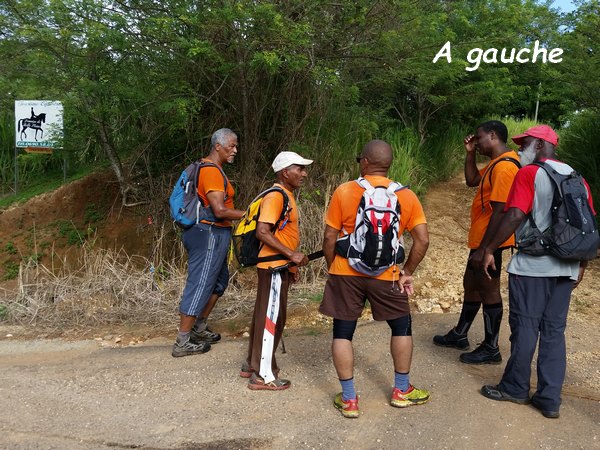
(70,395)
(110,392)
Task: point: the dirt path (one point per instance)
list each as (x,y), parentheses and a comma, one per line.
(100,394)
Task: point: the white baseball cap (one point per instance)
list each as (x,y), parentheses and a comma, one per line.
(287,159)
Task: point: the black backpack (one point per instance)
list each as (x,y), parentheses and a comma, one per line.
(573,232)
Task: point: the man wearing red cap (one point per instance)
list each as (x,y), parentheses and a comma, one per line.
(539,286)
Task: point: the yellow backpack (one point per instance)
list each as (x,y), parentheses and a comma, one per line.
(246,246)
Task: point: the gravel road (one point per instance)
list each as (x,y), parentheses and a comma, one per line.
(89,395)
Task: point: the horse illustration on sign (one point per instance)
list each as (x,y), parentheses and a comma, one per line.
(45,117)
(34,122)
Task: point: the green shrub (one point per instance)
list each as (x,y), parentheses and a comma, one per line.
(3,312)
(578,147)
(92,214)
(10,248)
(68,230)
(11,270)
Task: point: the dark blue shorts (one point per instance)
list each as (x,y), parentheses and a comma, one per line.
(207,247)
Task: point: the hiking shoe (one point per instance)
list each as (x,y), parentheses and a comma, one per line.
(256,383)
(495,393)
(189,348)
(452,339)
(205,335)
(411,397)
(246,371)
(545,412)
(484,354)
(348,408)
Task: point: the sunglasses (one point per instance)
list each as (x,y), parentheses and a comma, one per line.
(359,158)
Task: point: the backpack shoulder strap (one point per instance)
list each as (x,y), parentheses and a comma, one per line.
(202,164)
(489,170)
(395,187)
(284,211)
(553,175)
(364,183)
(286,202)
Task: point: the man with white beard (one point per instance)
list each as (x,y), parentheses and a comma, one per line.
(540,285)
(527,155)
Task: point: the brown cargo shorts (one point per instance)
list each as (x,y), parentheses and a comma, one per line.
(345,297)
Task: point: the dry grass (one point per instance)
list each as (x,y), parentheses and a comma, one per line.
(106,287)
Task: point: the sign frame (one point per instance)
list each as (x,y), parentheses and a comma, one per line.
(38,125)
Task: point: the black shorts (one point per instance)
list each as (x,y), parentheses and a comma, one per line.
(345,296)
(497,261)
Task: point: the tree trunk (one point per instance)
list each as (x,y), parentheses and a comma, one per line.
(115,163)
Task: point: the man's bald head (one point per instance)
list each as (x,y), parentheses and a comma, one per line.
(379,154)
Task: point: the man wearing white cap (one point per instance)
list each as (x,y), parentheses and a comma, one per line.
(270,308)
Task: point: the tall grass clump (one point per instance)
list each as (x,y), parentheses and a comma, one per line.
(515,127)
(7,144)
(405,167)
(336,137)
(442,155)
(110,287)
(578,147)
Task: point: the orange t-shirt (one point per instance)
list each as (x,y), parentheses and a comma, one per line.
(341,215)
(289,235)
(495,189)
(210,179)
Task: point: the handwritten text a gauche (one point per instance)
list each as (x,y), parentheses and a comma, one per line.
(477,56)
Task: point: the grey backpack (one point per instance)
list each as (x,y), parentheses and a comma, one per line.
(376,243)
(573,232)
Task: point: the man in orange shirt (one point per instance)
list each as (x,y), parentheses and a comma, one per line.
(347,290)
(268,320)
(207,244)
(494,182)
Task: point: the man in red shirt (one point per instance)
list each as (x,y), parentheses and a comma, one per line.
(539,286)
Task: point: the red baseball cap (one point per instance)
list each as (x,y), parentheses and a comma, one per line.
(540,131)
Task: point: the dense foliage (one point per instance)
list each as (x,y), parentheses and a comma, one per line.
(144,82)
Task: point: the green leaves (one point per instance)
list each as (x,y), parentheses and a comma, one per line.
(159,77)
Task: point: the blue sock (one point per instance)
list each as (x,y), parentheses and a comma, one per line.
(401,381)
(348,392)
